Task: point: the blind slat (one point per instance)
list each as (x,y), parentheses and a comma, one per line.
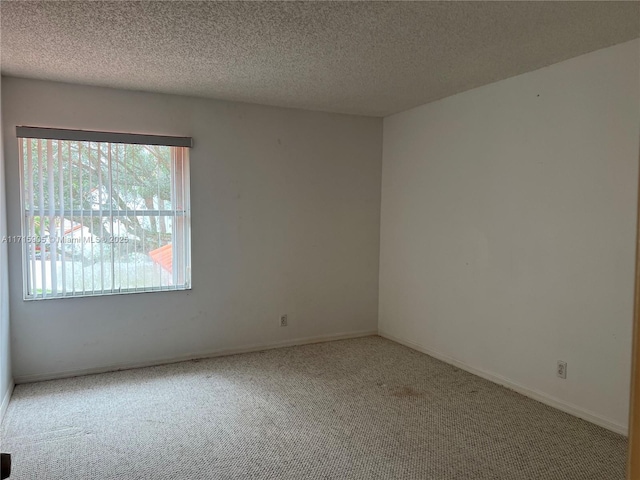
(100,194)
(53,251)
(61,197)
(110,197)
(43,270)
(90,192)
(31,221)
(70,169)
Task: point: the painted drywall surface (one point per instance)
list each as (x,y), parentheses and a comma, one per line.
(508,228)
(5,354)
(285,219)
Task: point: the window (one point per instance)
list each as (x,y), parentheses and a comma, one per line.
(103,213)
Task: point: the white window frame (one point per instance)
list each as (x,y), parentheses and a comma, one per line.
(180,211)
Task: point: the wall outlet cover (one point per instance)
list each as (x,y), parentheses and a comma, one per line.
(561,371)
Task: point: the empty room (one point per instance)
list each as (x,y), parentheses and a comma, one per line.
(319,240)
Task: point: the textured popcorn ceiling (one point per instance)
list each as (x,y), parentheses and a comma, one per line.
(372,58)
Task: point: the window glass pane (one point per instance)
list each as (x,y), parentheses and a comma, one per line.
(103,218)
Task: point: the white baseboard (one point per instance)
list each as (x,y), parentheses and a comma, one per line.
(526,391)
(5,401)
(40,377)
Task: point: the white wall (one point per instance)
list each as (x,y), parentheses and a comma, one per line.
(286,219)
(508,230)
(6,382)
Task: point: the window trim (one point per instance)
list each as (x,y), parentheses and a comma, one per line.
(180,159)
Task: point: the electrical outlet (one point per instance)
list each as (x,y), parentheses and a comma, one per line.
(561,371)
(284,321)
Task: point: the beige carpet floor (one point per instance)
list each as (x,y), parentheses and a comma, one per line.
(363,409)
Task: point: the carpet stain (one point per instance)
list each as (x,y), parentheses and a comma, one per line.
(406,391)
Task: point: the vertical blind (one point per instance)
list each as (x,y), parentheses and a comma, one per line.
(103,213)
